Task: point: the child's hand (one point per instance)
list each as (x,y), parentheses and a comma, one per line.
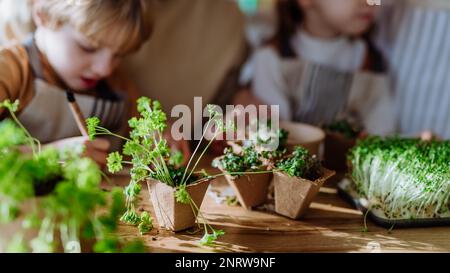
(97,149)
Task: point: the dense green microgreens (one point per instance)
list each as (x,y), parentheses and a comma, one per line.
(71,201)
(151,158)
(300,164)
(344,127)
(404,178)
(247,161)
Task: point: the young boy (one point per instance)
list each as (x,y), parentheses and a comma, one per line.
(76,47)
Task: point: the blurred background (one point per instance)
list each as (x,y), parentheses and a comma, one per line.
(197,48)
(202,48)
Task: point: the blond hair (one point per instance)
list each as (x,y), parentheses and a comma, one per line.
(128,21)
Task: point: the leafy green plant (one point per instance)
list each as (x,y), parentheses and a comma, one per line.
(239,164)
(151,158)
(345,128)
(300,164)
(403,178)
(71,202)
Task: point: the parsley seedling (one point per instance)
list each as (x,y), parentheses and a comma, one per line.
(151,157)
(71,202)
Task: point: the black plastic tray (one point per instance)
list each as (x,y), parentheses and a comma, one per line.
(389,223)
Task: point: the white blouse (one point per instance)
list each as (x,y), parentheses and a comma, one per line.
(340,53)
(269,69)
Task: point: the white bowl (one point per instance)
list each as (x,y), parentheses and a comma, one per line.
(305,135)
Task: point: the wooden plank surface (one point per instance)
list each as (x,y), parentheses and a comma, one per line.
(330,225)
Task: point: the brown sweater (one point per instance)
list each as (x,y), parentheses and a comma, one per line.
(16,77)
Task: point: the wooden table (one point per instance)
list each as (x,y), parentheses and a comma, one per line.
(330,225)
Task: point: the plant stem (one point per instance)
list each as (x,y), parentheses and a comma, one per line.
(105,131)
(31,139)
(199,213)
(195,151)
(108,132)
(161,158)
(201,155)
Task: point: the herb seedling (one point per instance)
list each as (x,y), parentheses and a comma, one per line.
(300,164)
(70,195)
(151,158)
(246,163)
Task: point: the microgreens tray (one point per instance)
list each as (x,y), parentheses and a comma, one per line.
(348,192)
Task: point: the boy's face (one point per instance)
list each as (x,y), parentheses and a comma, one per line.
(347,17)
(78,62)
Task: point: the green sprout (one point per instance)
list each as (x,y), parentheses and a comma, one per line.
(146,223)
(114,162)
(301,164)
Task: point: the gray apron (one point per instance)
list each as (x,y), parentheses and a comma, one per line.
(48,116)
(320,95)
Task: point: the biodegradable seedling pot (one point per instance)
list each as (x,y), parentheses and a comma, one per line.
(171,214)
(293,195)
(251,189)
(336,148)
(310,137)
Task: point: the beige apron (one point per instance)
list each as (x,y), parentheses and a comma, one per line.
(48,116)
(320,95)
